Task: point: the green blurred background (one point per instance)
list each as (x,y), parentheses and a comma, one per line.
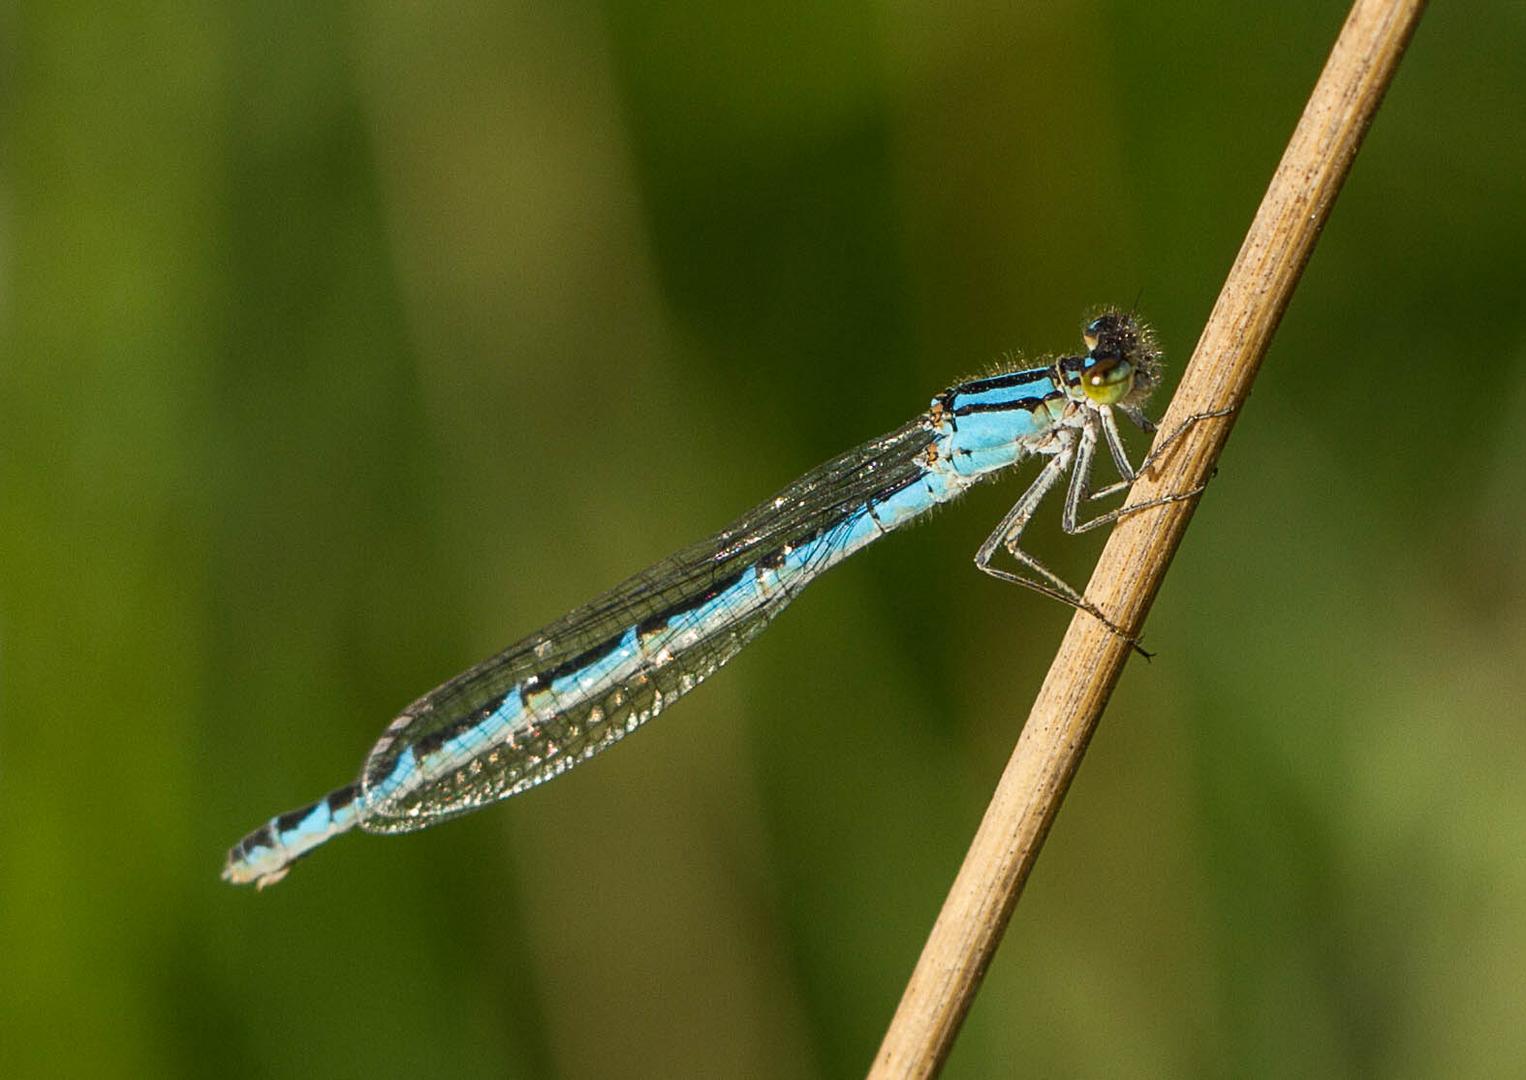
(344,345)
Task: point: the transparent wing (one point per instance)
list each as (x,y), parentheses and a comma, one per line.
(471,763)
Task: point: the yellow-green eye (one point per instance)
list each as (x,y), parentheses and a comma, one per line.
(1109,381)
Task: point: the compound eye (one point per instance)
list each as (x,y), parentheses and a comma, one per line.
(1108,381)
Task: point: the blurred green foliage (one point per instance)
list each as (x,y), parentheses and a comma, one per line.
(344,345)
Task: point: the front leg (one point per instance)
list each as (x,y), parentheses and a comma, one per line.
(1155,454)
(1115,447)
(1149,462)
(1159,450)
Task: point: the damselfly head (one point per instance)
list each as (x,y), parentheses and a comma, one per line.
(1122,364)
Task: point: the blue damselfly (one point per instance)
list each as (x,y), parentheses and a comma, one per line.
(581,684)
